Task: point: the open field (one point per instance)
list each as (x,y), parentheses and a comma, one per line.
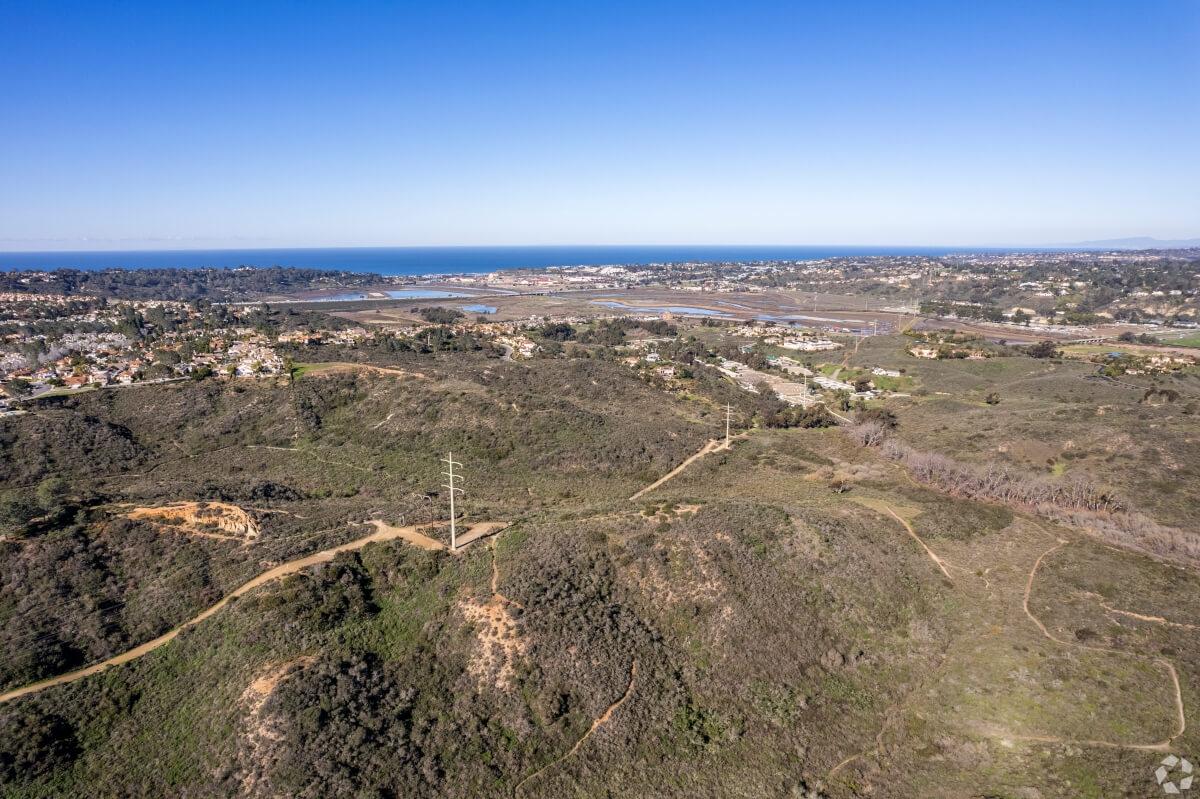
(1190,340)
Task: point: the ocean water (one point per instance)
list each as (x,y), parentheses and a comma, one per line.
(443,260)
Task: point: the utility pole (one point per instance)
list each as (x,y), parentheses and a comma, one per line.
(450,484)
(728,418)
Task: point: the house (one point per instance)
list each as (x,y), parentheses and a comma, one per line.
(829,384)
(521,346)
(810,345)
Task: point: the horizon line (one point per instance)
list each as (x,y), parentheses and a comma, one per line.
(1181,243)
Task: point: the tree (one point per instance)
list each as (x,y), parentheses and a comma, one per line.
(19,387)
(880,416)
(557,331)
(16,511)
(168,357)
(1043,349)
(51,494)
(1019,317)
(440,316)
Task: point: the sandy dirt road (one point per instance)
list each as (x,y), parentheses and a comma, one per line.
(709,448)
(383,532)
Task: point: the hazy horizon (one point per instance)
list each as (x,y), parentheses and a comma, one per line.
(251,246)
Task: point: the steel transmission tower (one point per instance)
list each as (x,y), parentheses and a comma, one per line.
(450,484)
(728,418)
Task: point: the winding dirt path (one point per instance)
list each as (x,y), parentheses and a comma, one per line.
(310,454)
(878,504)
(712,446)
(600,721)
(1151,619)
(1181,716)
(932,555)
(1166,665)
(383,532)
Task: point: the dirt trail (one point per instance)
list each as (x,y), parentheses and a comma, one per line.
(333,367)
(311,455)
(479,531)
(500,642)
(383,532)
(384,421)
(881,505)
(496,595)
(712,446)
(600,720)
(1167,666)
(412,534)
(384,370)
(1151,619)
(1181,716)
(932,555)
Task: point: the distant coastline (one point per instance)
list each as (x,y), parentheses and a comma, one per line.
(450,260)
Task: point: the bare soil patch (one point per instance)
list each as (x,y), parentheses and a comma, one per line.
(498,642)
(206,519)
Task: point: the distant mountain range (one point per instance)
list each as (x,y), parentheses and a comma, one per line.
(1138,243)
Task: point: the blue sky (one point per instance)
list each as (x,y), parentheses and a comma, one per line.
(366,123)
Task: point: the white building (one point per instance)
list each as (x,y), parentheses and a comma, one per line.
(809,344)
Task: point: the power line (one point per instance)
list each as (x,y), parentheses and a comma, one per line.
(453,487)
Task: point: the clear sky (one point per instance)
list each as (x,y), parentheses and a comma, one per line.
(204,124)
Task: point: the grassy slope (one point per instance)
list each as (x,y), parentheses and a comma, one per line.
(1058,418)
